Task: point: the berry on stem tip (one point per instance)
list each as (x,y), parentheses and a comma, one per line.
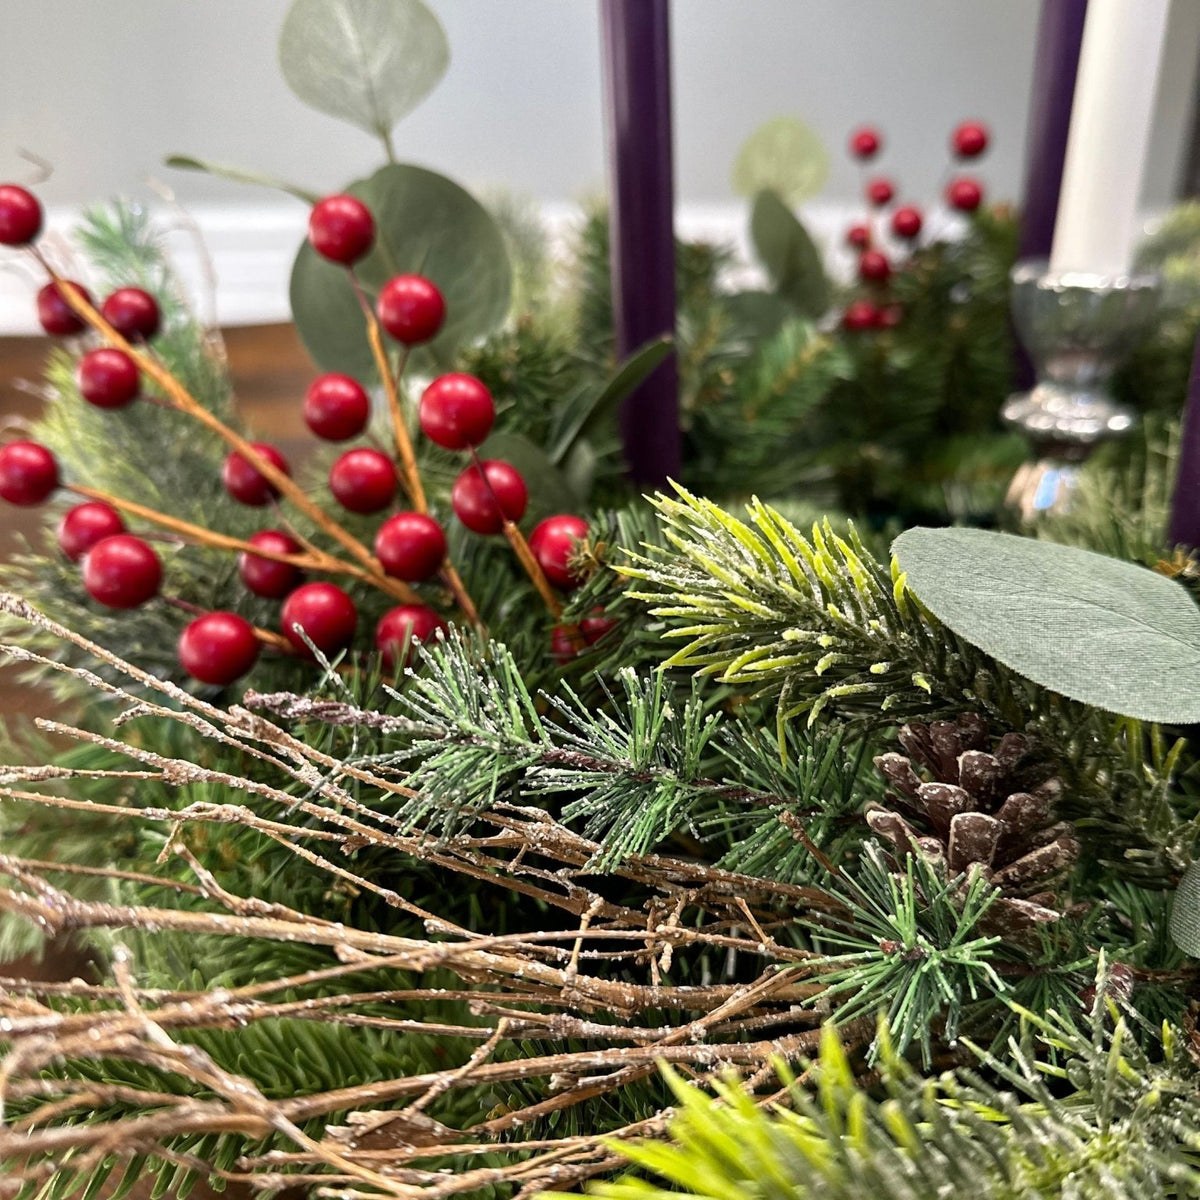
(341,229)
(411,309)
(28,473)
(457,412)
(218,648)
(20,215)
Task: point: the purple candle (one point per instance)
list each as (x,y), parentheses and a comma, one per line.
(637,85)
(1060,33)
(1184,528)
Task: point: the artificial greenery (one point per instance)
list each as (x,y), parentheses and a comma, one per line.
(436,933)
(1086,1114)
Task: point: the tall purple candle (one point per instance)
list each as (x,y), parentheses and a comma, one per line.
(1060,33)
(637,85)
(1184,528)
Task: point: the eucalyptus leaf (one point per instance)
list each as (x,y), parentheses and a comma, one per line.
(589,409)
(185,162)
(788,253)
(1185,912)
(784,156)
(369,62)
(757,315)
(1095,629)
(549,490)
(426,223)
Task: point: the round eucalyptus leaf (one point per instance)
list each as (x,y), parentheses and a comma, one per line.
(369,62)
(424,223)
(785,156)
(1185,912)
(1095,629)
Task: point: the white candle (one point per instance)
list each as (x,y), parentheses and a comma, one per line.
(1110,134)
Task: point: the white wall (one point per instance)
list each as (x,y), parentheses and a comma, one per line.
(103,89)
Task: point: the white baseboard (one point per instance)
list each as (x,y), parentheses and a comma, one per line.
(234,260)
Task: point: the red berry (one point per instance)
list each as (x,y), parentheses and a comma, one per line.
(243,481)
(401,628)
(336,407)
(85,525)
(109,378)
(267,576)
(969,140)
(457,411)
(411,309)
(341,228)
(880,192)
(325,613)
(133,313)
(859,316)
(55,315)
(121,571)
(596,626)
(859,236)
(483,499)
(873,267)
(562,644)
(410,546)
(28,473)
(363,480)
(964,194)
(889,316)
(20,215)
(218,648)
(865,142)
(906,222)
(553,542)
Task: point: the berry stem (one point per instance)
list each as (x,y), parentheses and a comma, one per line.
(410,471)
(276,641)
(315,560)
(183,401)
(520,547)
(454,582)
(391,388)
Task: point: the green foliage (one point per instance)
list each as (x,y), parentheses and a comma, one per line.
(424,223)
(235,174)
(791,258)
(913,947)
(1109,633)
(820,624)
(369,62)
(783,155)
(1107,1122)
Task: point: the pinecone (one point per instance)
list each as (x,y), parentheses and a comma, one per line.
(965,808)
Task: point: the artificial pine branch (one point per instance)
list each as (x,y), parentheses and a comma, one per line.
(1092,1115)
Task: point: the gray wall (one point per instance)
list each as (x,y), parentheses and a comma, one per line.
(104,88)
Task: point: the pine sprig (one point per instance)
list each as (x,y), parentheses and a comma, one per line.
(1093,1115)
(819,624)
(627,772)
(911,947)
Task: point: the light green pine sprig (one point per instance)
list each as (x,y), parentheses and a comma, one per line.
(820,623)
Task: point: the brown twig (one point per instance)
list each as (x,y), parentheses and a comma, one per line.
(184,402)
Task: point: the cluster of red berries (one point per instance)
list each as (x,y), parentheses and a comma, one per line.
(904,223)
(456,412)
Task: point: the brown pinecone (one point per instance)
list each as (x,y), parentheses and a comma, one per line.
(962,806)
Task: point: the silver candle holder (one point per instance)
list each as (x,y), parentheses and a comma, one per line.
(1077,328)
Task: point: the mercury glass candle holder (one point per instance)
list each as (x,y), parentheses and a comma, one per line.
(1077,328)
